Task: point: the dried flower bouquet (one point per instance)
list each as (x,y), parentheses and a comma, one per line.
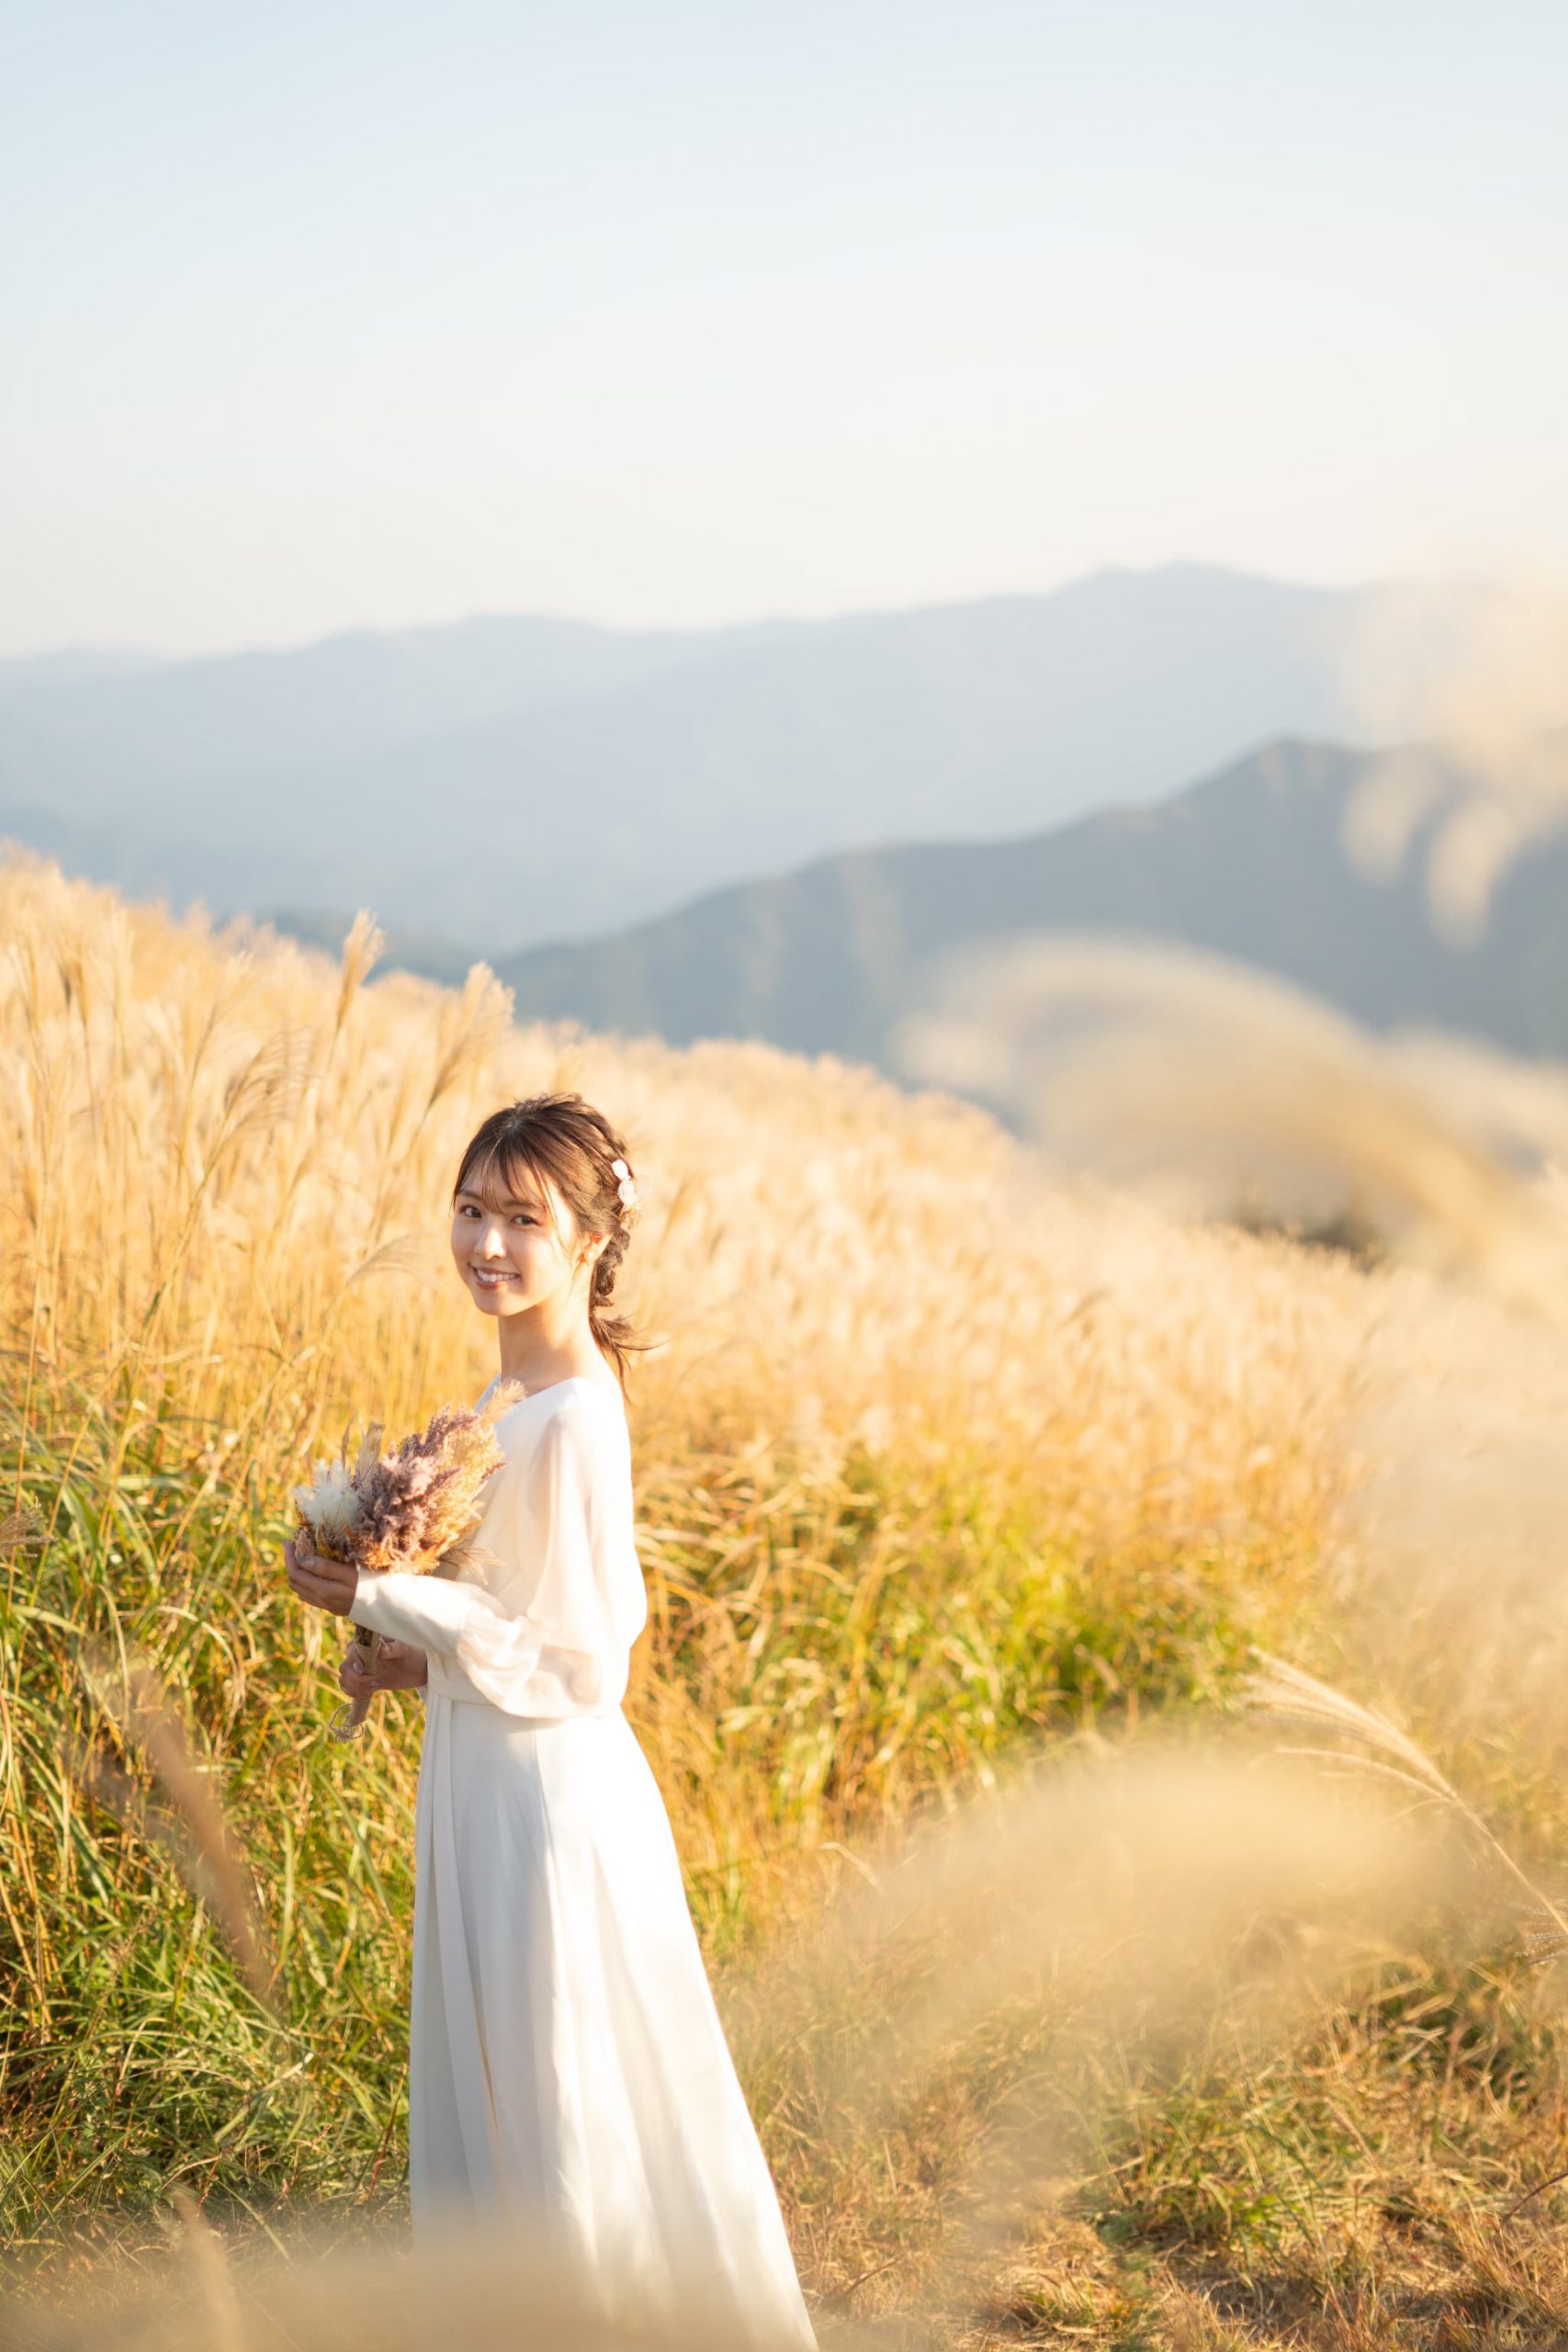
(416,1508)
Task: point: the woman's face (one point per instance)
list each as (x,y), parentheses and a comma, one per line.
(513,1243)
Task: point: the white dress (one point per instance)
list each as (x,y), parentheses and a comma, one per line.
(567,2064)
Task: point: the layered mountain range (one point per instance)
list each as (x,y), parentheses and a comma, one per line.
(779,831)
(500,784)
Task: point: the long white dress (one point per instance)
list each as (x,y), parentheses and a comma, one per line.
(567,2064)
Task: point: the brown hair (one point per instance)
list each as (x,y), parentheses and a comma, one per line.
(567,1146)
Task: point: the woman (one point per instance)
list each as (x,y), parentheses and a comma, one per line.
(567,2064)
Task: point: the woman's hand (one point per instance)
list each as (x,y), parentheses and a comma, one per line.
(320,1583)
(398,1666)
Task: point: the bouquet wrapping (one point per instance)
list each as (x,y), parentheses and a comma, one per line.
(416,1508)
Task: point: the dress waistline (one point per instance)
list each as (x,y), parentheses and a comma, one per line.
(466,1696)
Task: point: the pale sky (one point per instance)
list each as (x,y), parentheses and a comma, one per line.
(368,315)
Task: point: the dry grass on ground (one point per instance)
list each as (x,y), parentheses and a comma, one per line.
(943,1467)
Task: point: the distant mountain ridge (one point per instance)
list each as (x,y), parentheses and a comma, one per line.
(505,782)
(1248,863)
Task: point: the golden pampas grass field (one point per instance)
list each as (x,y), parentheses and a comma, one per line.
(1073,2005)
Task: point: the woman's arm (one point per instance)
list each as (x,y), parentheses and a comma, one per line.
(565,1523)
(560,1520)
(560,1527)
(427,1612)
(506,1655)
(431,1611)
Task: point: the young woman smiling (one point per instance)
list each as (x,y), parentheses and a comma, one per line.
(568,2067)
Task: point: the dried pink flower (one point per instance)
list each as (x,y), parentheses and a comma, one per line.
(416,1508)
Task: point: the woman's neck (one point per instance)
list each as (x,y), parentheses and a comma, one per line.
(540,1357)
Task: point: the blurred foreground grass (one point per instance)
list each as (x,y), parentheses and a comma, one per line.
(941,1464)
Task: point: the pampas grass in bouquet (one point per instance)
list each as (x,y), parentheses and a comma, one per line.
(416,1508)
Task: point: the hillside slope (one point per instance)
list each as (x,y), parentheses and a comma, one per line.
(1248,863)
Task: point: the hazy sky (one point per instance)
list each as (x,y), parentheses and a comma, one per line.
(335,314)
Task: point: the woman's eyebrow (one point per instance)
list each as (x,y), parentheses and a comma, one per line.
(511,1200)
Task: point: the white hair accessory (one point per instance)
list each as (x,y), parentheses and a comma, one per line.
(627,1187)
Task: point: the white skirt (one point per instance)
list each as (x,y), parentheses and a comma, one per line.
(568,2067)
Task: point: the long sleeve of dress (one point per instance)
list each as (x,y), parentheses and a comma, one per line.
(550,1632)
